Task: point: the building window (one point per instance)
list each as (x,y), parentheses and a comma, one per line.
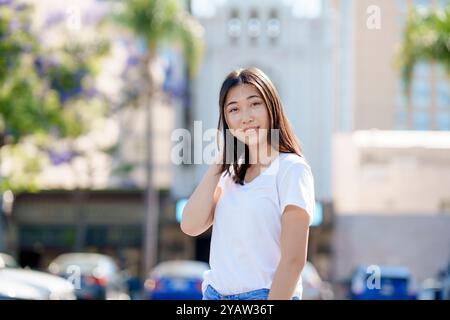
(400,120)
(443,94)
(443,120)
(400,108)
(430,97)
(400,100)
(421,121)
(234,26)
(273,26)
(422,70)
(254,27)
(421,94)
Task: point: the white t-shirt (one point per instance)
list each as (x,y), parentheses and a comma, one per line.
(245,242)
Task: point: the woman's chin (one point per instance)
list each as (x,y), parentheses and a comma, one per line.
(251,139)
(251,142)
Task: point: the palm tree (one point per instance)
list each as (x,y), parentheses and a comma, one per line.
(158,22)
(426,39)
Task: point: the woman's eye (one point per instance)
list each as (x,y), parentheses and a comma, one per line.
(254,104)
(232,110)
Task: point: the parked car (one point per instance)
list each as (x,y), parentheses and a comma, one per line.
(17,283)
(314,288)
(445,284)
(7,261)
(382,283)
(430,289)
(176,280)
(437,288)
(26,284)
(95,276)
(17,290)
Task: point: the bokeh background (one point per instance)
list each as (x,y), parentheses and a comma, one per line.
(93,93)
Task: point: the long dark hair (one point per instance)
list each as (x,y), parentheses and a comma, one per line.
(287,142)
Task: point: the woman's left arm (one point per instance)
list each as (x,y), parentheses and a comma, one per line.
(294,243)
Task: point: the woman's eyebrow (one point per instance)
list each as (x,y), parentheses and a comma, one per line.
(248,98)
(231,102)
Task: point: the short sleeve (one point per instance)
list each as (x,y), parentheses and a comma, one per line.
(296,187)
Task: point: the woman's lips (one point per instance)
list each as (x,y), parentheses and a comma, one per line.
(253,129)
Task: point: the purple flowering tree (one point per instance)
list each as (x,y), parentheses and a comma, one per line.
(46,91)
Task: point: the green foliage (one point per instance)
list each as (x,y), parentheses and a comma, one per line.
(161,21)
(20,163)
(426,38)
(44,91)
(39,86)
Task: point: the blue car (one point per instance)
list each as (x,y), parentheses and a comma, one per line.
(176,280)
(382,283)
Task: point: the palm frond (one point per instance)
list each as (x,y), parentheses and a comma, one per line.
(161,21)
(426,39)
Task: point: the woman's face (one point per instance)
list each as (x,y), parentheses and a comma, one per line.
(246,114)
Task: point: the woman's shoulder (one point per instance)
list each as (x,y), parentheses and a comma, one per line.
(288,159)
(292,161)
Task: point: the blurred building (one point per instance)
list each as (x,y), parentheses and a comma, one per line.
(370,92)
(49,223)
(392,200)
(390,190)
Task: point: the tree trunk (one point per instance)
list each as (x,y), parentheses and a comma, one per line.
(2,140)
(151,225)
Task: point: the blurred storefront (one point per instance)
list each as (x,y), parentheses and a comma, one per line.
(43,225)
(46,224)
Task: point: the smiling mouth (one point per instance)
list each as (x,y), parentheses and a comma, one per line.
(250,129)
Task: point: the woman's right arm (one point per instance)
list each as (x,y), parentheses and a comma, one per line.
(198,214)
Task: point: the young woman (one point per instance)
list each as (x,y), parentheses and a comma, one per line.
(258,196)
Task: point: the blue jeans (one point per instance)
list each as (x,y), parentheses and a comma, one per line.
(260,294)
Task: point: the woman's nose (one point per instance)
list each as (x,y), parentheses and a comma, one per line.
(247,117)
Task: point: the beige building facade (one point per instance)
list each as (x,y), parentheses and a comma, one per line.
(392,201)
(391,157)
(369,87)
